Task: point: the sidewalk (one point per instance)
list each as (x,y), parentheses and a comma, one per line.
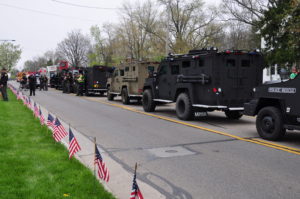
(120,182)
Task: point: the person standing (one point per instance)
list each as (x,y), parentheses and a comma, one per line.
(42,82)
(32,84)
(3,84)
(45,83)
(80,81)
(294,73)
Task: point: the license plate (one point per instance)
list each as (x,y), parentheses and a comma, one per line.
(200,114)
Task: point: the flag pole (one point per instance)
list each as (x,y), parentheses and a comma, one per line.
(95,145)
(135,168)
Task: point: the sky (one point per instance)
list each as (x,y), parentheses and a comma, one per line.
(39,25)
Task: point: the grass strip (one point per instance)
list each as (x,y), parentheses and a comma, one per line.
(33,165)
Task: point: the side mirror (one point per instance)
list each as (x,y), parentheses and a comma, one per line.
(283,73)
(152,74)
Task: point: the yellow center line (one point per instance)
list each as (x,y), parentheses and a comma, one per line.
(251,140)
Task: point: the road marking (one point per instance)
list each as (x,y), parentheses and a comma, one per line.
(251,140)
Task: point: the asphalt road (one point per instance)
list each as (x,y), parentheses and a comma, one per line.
(212,157)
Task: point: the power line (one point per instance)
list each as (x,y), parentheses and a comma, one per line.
(84,6)
(45,13)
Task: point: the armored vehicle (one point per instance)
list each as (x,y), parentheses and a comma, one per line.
(205,80)
(128,80)
(277,108)
(96,79)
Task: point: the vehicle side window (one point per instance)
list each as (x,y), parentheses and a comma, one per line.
(245,63)
(230,63)
(174,69)
(163,70)
(201,63)
(121,72)
(150,68)
(126,69)
(116,72)
(186,64)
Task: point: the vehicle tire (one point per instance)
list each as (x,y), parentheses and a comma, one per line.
(110,97)
(184,108)
(233,115)
(269,123)
(125,97)
(148,103)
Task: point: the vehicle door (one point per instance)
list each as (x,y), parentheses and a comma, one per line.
(230,80)
(291,97)
(175,70)
(163,83)
(115,80)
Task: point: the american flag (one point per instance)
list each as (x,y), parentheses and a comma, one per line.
(50,121)
(29,103)
(59,131)
(136,192)
(18,95)
(24,99)
(73,144)
(36,110)
(42,119)
(103,172)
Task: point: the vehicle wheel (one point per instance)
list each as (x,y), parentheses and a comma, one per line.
(233,115)
(148,103)
(110,97)
(269,123)
(125,97)
(184,108)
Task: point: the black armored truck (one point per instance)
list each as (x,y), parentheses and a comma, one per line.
(277,108)
(96,79)
(205,80)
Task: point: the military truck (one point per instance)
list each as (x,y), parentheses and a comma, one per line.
(277,108)
(96,79)
(205,80)
(128,80)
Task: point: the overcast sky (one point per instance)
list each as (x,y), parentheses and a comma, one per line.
(38,25)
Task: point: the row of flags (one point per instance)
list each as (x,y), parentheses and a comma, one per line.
(59,132)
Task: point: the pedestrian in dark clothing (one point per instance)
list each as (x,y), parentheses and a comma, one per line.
(45,83)
(69,82)
(23,82)
(3,84)
(32,84)
(64,83)
(41,82)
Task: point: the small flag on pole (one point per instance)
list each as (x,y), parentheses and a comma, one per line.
(73,144)
(50,121)
(59,131)
(18,95)
(36,110)
(136,192)
(42,119)
(103,172)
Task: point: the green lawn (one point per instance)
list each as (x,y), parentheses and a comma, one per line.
(33,166)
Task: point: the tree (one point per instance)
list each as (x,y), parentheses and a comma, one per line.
(191,25)
(245,11)
(9,55)
(280,28)
(102,48)
(75,48)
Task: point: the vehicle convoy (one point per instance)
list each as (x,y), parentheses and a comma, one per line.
(96,79)
(277,108)
(128,80)
(205,80)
